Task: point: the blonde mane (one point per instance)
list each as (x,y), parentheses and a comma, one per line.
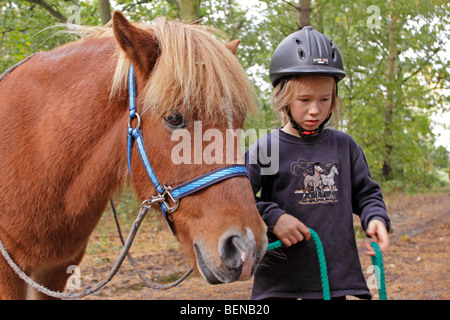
(195,73)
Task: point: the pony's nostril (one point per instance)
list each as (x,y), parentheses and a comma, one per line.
(234,248)
(230,249)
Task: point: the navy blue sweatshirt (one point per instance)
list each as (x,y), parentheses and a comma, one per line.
(321,181)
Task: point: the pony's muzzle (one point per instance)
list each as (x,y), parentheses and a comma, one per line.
(238,258)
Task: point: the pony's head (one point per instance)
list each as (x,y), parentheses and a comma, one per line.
(188,83)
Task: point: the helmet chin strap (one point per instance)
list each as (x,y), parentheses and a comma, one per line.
(307,133)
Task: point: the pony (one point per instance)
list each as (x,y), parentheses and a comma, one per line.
(328,179)
(314,181)
(63,136)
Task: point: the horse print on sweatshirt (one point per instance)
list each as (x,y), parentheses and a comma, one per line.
(317,181)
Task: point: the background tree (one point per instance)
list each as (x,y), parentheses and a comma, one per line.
(394,54)
(104,9)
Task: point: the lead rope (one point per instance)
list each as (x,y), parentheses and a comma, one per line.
(149,283)
(60,295)
(124,253)
(377,260)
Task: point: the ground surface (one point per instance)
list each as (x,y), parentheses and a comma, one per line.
(417,264)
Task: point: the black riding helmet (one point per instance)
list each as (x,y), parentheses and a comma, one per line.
(306,52)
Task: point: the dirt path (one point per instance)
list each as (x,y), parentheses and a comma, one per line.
(417,264)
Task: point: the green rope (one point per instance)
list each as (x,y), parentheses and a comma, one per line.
(322,262)
(377,260)
(274,245)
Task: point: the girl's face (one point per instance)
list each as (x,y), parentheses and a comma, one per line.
(311,102)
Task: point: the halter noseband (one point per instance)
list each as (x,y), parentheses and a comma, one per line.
(168,197)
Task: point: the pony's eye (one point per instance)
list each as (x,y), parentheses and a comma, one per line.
(175,120)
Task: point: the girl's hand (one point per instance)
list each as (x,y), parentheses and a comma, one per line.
(290,230)
(377,230)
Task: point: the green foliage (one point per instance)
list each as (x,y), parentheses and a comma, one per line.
(26,28)
(416,88)
(146,11)
(441,158)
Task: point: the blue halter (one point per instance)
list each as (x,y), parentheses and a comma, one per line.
(169,197)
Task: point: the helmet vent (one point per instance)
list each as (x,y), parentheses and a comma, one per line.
(333,54)
(302,54)
(298,42)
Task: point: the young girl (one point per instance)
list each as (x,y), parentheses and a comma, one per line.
(322,178)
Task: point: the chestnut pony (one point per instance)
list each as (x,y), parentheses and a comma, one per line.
(63,136)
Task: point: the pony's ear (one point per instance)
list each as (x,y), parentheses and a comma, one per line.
(139,45)
(232,45)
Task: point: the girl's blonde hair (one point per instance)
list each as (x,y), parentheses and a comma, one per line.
(282,96)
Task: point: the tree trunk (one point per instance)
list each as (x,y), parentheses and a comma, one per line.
(189,10)
(390,89)
(104,8)
(303,14)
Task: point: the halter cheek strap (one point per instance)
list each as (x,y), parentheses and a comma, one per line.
(168,197)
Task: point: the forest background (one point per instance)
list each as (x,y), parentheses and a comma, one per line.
(396,96)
